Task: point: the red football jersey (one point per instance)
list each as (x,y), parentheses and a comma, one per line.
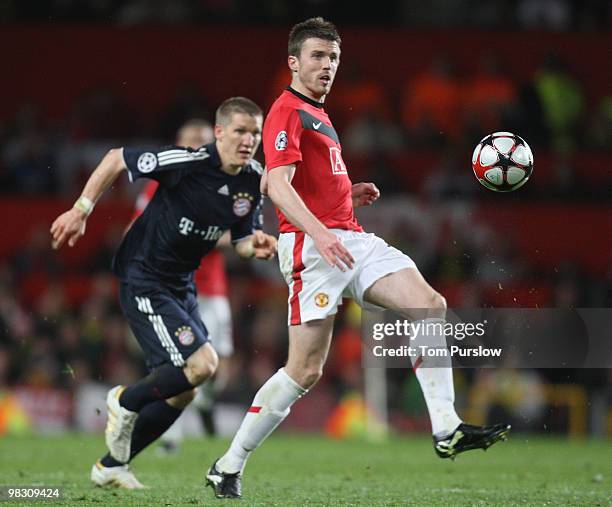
(210,277)
(298,131)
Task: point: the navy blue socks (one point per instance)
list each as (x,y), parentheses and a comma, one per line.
(162,383)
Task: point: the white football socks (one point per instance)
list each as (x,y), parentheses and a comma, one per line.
(270,406)
(435,375)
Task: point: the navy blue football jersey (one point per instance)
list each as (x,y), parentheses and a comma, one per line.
(195,203)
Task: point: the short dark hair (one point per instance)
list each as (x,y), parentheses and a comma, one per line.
(236,105)
(316,28)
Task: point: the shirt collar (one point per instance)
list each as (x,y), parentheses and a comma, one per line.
(313,103)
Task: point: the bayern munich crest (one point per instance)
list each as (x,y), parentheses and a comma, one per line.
(147,162)
(242,203)
(185,335)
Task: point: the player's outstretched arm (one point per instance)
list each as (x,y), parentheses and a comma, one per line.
(70,226)
(291,204)
(259,245)
(364,194)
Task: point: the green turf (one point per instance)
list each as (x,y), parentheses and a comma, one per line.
(297,470)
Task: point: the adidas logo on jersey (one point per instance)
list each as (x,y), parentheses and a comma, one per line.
(223,190)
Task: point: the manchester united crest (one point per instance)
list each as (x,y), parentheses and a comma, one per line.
(321,300)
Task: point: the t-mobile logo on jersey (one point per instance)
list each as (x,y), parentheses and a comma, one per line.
(186,226)
(337,163)
(210,233)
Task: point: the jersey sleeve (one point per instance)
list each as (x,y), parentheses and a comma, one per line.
(165,165)
(281,138)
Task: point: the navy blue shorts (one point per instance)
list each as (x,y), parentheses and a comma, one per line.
(166,322)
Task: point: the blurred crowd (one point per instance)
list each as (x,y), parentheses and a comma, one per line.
(513,14)
(440,110)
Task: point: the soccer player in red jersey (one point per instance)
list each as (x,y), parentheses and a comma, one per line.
(213,298)
(324,254)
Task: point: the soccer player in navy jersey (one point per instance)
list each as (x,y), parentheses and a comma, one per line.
(325,255)
(213,299)
(202,193)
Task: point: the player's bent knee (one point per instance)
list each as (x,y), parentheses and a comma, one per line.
(438,301)
(304,374)
(436,306)
(201,365)
(310,377)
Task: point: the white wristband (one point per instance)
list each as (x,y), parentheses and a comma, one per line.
(84,204)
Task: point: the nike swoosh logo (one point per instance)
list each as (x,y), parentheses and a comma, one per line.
(316,125)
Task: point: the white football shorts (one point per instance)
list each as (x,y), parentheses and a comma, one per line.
(217,317)
(316,289)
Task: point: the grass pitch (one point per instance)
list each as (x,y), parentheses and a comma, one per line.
(305,471)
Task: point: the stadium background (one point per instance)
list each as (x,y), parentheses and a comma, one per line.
(418,87)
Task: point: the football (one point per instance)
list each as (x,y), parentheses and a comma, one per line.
(502,162)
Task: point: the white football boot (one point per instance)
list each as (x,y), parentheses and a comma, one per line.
(119,426)
(114,477)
